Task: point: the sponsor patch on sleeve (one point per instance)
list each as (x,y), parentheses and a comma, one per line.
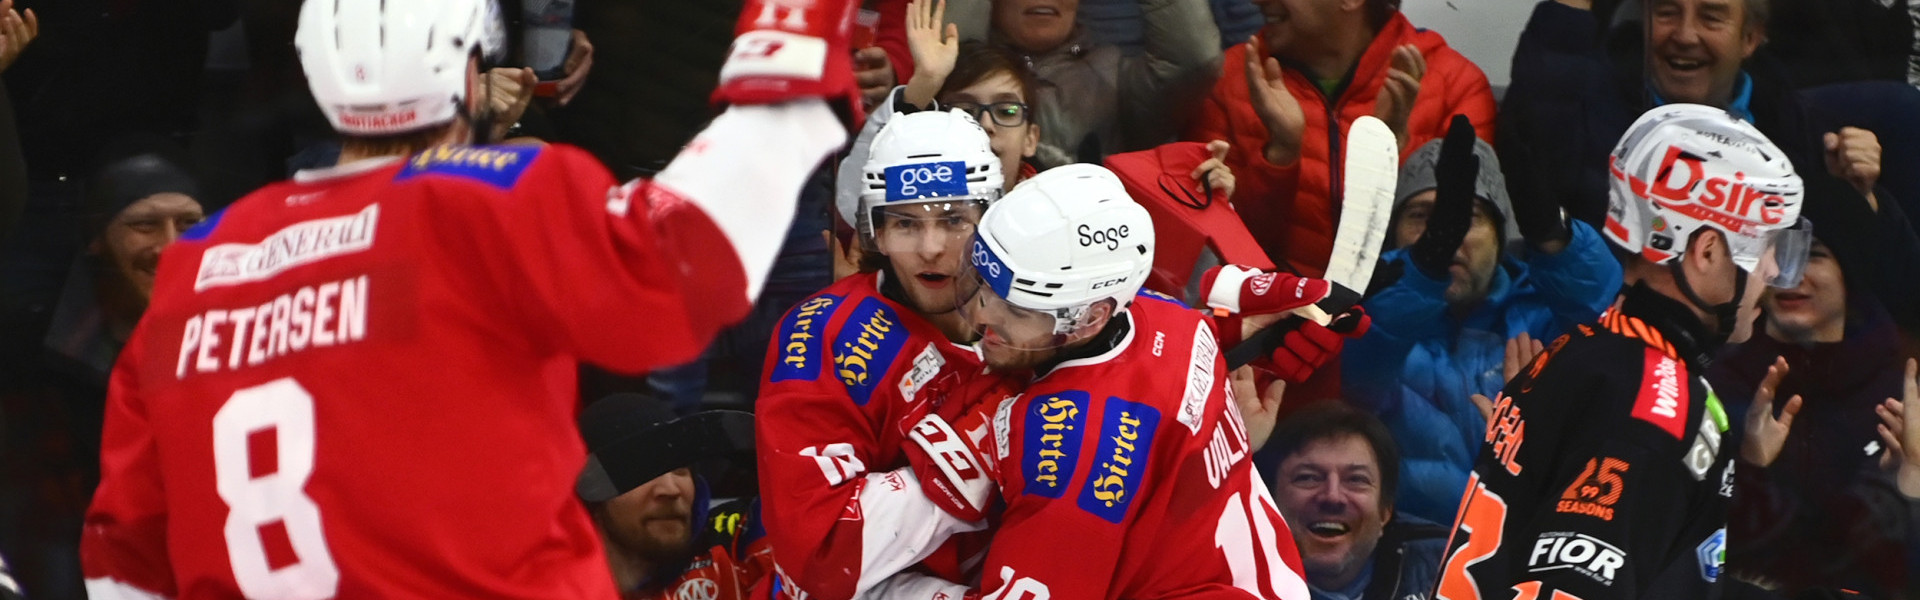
(1712,554)
(1199,377)
(869,340)
(1055,424)
(799,339)
(499,166)
(1576,552)
(1120,461)
(1663,393)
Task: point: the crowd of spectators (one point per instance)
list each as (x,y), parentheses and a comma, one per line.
(124,123)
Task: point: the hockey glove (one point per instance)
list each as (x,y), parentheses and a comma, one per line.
(1454,176)
(954,459)
(1235,292)
(1535,212)
(1305,349)
(787,50)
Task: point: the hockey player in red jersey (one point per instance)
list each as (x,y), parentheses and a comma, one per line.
(852,369)
(1125,449)
(359,383)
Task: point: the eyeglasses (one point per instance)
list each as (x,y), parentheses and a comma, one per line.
(1004,114)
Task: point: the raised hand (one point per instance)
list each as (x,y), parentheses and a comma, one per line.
(1766,435)
(1286,123)
(1214,174)
(579,63)
(1853,154)
(1455,176)
(1395,102)
(1521,350)
(510,91)
(16,31)
(1900,429)
(935,45)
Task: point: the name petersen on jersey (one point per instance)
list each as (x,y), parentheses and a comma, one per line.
(310,316)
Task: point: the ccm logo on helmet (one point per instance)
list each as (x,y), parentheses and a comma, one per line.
(1730,203)
(1109,237)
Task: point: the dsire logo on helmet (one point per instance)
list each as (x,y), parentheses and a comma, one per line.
(926,180)
(1682,185)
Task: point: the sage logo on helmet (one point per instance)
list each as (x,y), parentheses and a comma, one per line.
(1063,241)
(1682,167)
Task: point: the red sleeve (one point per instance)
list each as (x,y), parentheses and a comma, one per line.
(839,518)
(123,548)
(892,37)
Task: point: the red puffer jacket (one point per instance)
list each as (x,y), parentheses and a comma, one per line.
(1292,209)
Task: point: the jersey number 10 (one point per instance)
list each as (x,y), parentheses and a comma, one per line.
(271,508)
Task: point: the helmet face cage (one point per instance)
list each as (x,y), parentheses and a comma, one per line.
(1684,167)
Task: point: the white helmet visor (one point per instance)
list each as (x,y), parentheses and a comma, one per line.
(1787,259)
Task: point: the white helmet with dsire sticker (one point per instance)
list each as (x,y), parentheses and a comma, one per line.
(383,68)
(1682,167)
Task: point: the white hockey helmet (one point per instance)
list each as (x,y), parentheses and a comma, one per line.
(927,157)
(1061,242)
(384,68)
(1682,167)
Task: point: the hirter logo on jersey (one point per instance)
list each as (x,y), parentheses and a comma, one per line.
(869,340)
(799,339)
(1055,425)
(1663,394)
(1596,490)
(294,245)
(1120,461)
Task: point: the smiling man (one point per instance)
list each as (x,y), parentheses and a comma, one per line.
(1335,486)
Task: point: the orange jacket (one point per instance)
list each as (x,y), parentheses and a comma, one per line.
(1292,210)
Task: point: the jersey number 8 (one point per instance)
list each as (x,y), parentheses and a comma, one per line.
(273,507)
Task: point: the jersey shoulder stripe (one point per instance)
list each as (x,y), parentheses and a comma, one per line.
(498,166)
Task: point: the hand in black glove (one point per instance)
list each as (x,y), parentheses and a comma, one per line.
(1454,176)
(1535,210)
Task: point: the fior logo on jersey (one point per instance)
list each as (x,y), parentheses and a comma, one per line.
(1126,442)
(1054,426)
(1577,552)
(799,344)
(868,341)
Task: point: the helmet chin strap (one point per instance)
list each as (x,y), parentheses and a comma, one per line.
(1726,314)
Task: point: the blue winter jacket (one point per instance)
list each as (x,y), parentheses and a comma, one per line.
(1419,366)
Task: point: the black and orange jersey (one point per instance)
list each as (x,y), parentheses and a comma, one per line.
(1602,475)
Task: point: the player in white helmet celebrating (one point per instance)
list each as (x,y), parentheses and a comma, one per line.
(853,368)
(359,383)
(1603,475)
(1126,434)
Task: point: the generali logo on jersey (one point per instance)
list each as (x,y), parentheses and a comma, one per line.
(297,244)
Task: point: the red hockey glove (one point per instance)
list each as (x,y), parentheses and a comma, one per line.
(1233,292)
(954,459)
(1303,350)
(792,49)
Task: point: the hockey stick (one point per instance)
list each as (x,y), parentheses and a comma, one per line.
(1372,171)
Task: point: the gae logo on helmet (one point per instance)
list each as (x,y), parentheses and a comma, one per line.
(911,178)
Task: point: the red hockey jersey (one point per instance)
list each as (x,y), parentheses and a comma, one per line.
(1127,475)
(360,383)
(848,373)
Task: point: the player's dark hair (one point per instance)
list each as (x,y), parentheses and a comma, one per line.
(978,61)
(1332,420)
